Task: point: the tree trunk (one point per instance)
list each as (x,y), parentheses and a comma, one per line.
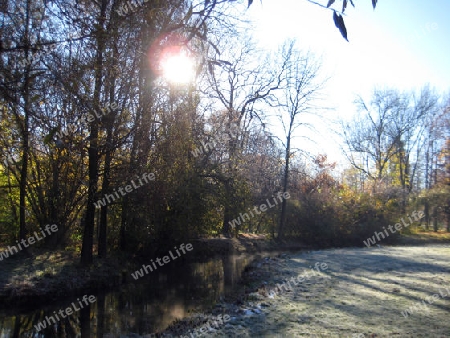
(227,231)
(285,186)
(402,173)
(435,220)
(25,136)
(448,216)
(102,231)
(23,173)
(427,215)
(88,234)
(103,224)
(54,193)
(123,225)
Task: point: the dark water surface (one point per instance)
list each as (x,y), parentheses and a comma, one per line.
(138,308)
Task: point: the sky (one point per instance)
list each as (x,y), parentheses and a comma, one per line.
(401,44)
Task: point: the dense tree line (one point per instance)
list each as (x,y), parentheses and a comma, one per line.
(85,110)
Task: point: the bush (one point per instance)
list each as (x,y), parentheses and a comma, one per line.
(339,217)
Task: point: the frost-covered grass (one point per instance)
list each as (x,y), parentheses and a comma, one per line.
(367,291)
(49,275)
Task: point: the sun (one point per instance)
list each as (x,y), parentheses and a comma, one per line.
(178,69)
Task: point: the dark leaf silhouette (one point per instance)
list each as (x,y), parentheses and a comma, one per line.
(60,144)
(339,22)
(219,63)
(189,14)
(351,1)
(48,138)
(250,3)
(344,5)
(330,2)
(374,3)
(210,68)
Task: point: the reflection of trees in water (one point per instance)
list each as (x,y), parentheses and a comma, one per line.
(85,316)
(216,276)
(166,296)
(150,307)
(16,327)
(229,270)
(100,315)
(206,280)
(233,266)
(65,327)
(145,307)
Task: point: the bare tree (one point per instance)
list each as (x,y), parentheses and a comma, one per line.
(239,85)
(369,134)
(390,135)
(409,127)
(302,86)
(22,28)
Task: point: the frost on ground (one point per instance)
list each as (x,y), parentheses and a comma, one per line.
(364,297)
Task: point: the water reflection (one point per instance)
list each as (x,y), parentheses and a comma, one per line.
(138,308)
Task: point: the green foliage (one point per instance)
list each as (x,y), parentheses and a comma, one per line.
(438,200)
(339,218)
(323,212)
(9,195)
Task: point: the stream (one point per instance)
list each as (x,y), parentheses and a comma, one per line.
(138,308)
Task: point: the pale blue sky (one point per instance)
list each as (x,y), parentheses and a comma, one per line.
(402,44)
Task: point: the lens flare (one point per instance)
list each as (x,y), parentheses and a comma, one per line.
(179,69)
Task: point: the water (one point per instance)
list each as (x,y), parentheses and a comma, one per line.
(136,309)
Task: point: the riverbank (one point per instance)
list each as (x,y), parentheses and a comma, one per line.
(42,276)
(364,292)
(27,279)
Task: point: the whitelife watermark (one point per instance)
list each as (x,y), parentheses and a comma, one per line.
(68,311)
(422,306)
(88,118)
(262,207)
(214,321)
(166,259)
(109,198)
(371,241)
(123,10)
(424,30)
(220,138)
(50,229)
(33,57)
(217,322)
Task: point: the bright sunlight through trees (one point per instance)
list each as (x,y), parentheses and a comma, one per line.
(179,69)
